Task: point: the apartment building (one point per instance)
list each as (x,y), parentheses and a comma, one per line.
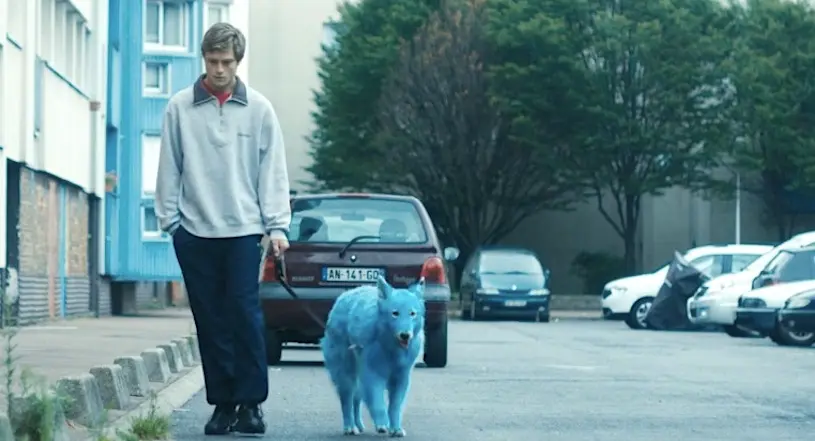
(52,132)
(154,52)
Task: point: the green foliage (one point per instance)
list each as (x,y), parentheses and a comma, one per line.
(151,426)
(632,96)
(343,145)
(774,120)
(596,269)
(449,145)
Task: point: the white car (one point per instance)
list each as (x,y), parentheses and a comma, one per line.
(716,301)
(630,298)
(758,311)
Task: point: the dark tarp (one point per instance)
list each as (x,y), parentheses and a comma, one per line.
(669,309)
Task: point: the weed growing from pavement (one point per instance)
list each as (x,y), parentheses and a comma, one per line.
(151,426)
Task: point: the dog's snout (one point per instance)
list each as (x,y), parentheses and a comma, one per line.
(404,336)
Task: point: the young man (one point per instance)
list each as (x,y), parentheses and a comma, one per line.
(222,184)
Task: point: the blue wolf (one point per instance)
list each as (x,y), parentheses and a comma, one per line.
(373,336)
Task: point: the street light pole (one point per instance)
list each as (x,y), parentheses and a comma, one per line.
(738,208)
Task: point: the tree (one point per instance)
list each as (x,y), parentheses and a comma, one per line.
(447,144)
(632,94)
(771,70)
(343,148)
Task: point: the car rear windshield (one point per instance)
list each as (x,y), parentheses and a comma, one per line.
(507,262)
(340,220)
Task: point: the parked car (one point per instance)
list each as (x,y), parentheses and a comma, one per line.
(758,311)
(716,301)
(339,241)
(798,313)
(503,281)
(630,298)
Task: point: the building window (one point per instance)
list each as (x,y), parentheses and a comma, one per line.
(59,56)
(65,42)
(150,150)
(156,77)
(166,25)
(46,28)
(216,12)
(149,223)
(16,21)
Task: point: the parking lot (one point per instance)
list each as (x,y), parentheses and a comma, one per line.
(569,380)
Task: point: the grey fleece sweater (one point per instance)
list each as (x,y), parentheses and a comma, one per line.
(222,169)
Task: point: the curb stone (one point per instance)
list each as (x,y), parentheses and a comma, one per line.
(178,393)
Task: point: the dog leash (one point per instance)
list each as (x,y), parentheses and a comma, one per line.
(280,269)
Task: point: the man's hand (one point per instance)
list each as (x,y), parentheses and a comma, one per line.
(279,246)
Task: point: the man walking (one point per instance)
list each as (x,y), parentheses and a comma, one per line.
(222,184)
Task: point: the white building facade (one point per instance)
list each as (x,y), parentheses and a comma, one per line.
(52,134)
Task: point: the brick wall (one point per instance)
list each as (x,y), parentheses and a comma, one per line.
(40,287)
(76,249)
(35,231)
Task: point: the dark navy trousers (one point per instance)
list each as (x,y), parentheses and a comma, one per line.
(221,277)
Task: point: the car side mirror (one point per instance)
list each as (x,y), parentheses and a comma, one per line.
(450,254)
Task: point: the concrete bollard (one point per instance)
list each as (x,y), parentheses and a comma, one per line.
(158,368)
(135,371)
(184,350)
(112,386)
(194,350)
(173,357)
(84,402)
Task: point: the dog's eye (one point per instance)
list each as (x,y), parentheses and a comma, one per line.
(395,313)
(413,313)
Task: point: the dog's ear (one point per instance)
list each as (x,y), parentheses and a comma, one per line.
(418,288)
(383,287)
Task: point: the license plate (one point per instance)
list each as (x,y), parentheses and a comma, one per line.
(515,303)
(353,275)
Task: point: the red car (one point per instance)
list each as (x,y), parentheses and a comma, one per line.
(340,241)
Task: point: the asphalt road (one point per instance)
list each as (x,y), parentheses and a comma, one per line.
(569,380)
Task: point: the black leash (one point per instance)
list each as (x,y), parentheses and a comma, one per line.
(280,269)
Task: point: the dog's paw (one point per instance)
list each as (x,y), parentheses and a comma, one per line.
(351,431)
(397,433)
(381,429)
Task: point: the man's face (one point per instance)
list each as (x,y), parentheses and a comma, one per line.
(221,68)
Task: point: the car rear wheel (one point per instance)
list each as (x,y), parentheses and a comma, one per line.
(274,348)
(636,317)
(435,347)
(785,337)
(542,317)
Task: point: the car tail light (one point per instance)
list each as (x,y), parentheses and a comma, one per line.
(269,270)
(433,271)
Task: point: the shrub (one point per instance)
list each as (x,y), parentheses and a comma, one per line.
(596,269)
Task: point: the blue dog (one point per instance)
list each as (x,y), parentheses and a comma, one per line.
(372,339)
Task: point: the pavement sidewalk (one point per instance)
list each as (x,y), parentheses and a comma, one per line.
(70,347)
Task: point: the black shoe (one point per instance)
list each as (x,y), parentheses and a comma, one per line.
(221,421)
(250,421)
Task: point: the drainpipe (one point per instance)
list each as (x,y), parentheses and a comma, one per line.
(97,187)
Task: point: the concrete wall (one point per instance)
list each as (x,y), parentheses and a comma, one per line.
(285,38)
